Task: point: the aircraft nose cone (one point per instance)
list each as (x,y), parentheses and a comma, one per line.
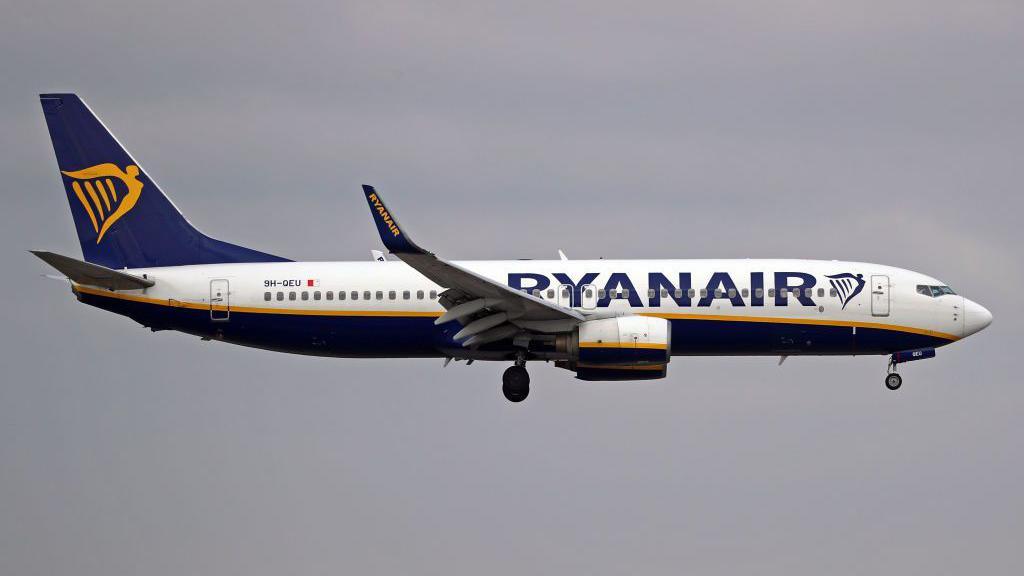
(976,317)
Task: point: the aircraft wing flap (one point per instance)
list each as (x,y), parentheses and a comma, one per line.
(459,282)
(92,274)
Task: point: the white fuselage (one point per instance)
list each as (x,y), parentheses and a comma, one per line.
(730,300)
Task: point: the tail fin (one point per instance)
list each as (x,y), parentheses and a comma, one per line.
(122,218)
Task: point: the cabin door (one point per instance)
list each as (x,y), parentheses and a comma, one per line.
(220,300)
(879,295)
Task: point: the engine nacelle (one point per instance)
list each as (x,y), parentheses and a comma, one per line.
(621,348)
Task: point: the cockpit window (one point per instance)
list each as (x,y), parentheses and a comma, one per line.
(934,291)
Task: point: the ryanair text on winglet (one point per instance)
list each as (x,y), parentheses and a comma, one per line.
(384,215)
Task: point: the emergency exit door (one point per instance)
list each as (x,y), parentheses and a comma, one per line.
(220,300)
(879,295)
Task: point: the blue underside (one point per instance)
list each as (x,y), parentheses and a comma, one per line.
(383,337)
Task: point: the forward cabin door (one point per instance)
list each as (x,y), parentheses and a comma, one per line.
(220,300)
(879,295)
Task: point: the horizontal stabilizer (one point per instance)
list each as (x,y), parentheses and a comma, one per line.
(92,274)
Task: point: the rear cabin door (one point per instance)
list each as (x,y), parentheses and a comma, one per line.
(220,300)
(879,295)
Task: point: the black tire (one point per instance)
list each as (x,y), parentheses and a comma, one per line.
(893,381)
(515,384)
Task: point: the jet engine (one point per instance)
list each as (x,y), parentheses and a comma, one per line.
(621,348)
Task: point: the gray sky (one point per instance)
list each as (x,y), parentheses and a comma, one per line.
(890,132)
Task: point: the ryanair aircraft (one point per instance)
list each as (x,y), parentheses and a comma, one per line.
(601,319)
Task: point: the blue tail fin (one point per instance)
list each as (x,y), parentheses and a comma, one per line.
(122,218)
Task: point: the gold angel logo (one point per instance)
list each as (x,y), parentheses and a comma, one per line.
(104,200)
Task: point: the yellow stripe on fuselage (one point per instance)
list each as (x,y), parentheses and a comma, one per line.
(419,314)
(811,321)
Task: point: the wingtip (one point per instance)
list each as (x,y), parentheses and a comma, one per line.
(391,234)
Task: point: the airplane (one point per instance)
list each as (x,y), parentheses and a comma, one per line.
(604,320)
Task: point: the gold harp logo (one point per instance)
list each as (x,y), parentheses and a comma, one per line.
(106,192)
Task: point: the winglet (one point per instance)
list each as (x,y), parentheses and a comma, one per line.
(393,236)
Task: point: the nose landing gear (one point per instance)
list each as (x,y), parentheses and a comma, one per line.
(893,381)
(515,382)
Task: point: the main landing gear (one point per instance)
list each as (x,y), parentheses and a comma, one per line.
(515,382)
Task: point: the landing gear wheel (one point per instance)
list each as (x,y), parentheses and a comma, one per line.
(516,384)
(893,381)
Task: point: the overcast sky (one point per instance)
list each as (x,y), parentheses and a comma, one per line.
(889,132)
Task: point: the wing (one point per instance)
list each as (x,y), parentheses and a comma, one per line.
(489,310)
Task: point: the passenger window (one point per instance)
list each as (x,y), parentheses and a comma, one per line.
(746,292)
(664,293)
(419,294)
(759,292)
(588,293)
(305,295)
(380,294)
(703,292)
(718,293)
(266,296)
(354,295)
(330,295)
(366,294)
(316,295)
(732,292)
(280,296)
(392,295)
(809,292)
(601,293)
(433,294)
(691,293)
(291,295)
(833,293)
(551,293)
(679,293)
(405,295)
(771,292)
(624,293)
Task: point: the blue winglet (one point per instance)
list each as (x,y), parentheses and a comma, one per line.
(393,236)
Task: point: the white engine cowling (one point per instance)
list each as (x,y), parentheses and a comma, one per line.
(621,348)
